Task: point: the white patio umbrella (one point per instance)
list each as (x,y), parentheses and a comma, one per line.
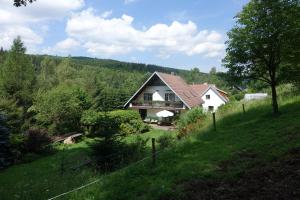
(164,113)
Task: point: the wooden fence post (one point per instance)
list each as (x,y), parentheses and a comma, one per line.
(214,120)
(153,151)
(62,161)
(244,109)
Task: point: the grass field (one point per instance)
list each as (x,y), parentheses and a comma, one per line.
(199,156)
(42,178)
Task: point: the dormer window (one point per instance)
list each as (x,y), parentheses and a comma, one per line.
(207,96)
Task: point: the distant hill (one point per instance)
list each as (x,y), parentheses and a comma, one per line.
(125,65)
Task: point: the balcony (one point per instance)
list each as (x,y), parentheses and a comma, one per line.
(158,104)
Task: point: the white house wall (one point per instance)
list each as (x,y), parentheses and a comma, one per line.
(214,100)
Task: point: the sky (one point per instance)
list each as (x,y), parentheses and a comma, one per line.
(172,33)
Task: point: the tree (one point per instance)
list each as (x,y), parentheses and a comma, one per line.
(5,153)
(17,74)
(19,3)
(264,39)
(66,71)
(47,77)
(213,71)
(60,108)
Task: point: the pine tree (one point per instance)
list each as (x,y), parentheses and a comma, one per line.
(17,74)
(4,144)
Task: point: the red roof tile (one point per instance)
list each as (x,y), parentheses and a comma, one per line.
(182,89)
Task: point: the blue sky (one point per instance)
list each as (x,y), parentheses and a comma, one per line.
(180,34)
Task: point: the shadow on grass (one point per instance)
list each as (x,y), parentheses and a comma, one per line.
(44,177)
(249,139)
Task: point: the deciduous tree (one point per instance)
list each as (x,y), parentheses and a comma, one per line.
(264,42)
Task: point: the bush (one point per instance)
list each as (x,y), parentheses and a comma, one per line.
(124,116)
(134,127)
(127,129)
(17,142)
(165,141)
(187,119)
(91,119)
(112,153)
(37,141)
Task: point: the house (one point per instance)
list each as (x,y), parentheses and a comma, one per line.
(170,92)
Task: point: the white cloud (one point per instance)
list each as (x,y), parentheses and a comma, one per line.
(9,33)
(129,1)
(64,47)
(30,22)
(106,14)
(111,36)
(67,44)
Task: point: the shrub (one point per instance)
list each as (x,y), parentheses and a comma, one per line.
(127,129)
(112,153)
(124,116)
(91,119)
(134,127)
(187,119)
(37,141)
(165,141)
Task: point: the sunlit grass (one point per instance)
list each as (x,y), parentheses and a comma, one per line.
(257,131)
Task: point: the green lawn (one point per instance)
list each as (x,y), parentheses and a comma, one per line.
(154,133)
(42,178)
(199,156)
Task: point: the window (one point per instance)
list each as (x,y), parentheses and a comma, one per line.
(169,97)
(147,96)
(210,108)
(207,96)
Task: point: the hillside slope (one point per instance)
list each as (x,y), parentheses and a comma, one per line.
(242,142)
(251,156)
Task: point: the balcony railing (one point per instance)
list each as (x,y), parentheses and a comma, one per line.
(158,104)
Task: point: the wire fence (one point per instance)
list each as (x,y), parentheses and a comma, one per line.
(152,156)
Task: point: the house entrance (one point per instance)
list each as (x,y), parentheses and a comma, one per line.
(143,113)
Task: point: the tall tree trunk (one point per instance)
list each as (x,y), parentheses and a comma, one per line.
(274,99)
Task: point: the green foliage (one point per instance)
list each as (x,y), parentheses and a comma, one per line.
(37,141)
(60,109)
(66,72)
(13,114)
(90,118)
(264,43)
(187,119)
(134,127)
(191,116)
(17,142)
(5,150)
(17,74)
(47,77)
(123,116)
(165,141)
(111,154)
